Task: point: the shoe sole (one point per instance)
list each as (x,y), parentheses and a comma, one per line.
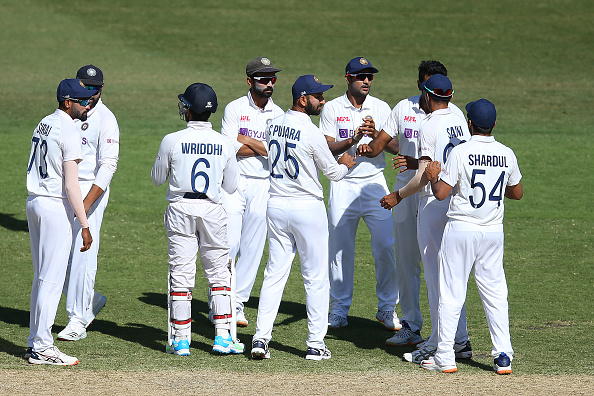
(81,337)
(42,362)
(316,357)
(217,349)
(447,371)
(403,343)
(260,354)
(242,324)
(395,328)
(502,370)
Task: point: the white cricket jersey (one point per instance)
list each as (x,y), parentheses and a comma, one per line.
(55,141)
(100,146)
(441,131)
(243,116)
(297,151)
(196,160)
(404,124)
(340,119)
(479,171)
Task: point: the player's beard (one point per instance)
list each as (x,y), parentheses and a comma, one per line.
(265,92)
(310,109)
(79,112)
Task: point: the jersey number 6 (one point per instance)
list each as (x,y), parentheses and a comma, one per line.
(195,175)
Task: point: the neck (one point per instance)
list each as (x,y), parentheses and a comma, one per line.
(259,101)
(298,108)
(356,101)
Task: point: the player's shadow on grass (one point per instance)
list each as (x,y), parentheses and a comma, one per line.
(11,223)
(13,349)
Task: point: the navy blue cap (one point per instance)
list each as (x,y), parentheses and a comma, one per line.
(357,64)
(438,86)
(308,84)
(199,98)
(90,75)
(482,113)
(73,88)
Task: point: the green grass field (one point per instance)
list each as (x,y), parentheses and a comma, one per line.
(532,59)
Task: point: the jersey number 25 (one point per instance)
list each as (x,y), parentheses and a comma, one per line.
(288,158)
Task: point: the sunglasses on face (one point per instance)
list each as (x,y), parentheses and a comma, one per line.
(82,102)
(441,92)
(362,76)
(265,79)
(92,87)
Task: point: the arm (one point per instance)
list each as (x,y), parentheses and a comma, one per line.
(405,162)
(160,171)
(514,192)
(230,173)
(251,147)
(375,146)
(325,161)
(108,151)
(337,148)
(75,198)
(415,185)
(92,196)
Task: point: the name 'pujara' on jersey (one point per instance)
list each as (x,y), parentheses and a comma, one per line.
(284,131)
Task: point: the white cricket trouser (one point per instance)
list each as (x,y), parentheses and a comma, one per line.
(348,202)
(478,249)
(246,233)
(296,225)
(50,230)
(431,223)
(194,226)
(408,258)
(79,286)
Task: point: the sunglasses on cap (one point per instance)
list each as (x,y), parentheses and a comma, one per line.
(265,79)
(92,87)
(82,102)
(440,92)
(362,76)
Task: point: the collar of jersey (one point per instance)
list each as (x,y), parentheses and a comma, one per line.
(199,124)
(347,103)
(484,139)
(267,106)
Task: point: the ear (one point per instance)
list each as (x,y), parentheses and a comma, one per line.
(347,78)
(250,82)
(303,100)
(68,104)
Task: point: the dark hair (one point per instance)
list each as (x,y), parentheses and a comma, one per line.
(481,130)
(431,67)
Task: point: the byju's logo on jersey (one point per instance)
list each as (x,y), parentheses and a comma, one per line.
(409,133)
(84,126)
(343,133)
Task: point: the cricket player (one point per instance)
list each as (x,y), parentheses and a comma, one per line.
(348,121)
(100,136)
(244,122)
(54,199)
(439,133)
(403,126)
(479,173)
(199,163)
(296,216)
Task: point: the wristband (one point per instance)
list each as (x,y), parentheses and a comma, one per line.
(356,140)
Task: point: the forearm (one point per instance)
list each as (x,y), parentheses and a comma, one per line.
(337,148)
(73,192)
(417,183)
(92,196)
(251,147)
(393,147)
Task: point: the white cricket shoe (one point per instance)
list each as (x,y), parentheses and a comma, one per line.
(241,320)
(420,354)
(430,365)
(73,331)
(336,321)
(260,350)
(389,319)
(318,353)
(53,356)
(97,303)
(405,336)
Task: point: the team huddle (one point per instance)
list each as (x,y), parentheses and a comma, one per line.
(227,191)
